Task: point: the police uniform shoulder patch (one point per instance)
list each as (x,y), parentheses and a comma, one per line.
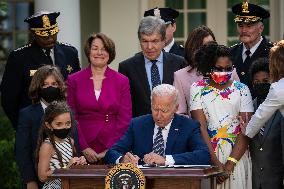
(65,44)
(23,47)
(233,46)
(125,175)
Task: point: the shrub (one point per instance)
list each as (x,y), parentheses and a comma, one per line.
(9,173)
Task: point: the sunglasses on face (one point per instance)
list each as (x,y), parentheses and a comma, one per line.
(221,69)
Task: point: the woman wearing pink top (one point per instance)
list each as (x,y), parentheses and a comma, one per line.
(185,77)
(100,98)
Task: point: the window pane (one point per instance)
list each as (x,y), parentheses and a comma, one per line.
(195,20)
(6,42)
(8,22)
(231,25)
(266,27)
(177,4)
(196,4)
(180,26)
(232,3)
(21,39)
(22,11)
(260,2)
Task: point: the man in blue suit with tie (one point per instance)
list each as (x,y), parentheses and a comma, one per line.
(163,138)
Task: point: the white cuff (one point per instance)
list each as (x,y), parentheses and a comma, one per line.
(169,160)
(117,160)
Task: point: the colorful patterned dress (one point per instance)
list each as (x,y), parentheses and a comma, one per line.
(221,109)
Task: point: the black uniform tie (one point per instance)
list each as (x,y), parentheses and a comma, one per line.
(47,53)
(155,76)
(248,56)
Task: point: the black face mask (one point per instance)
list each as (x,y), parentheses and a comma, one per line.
(260,90)
(61,133)
(50,94)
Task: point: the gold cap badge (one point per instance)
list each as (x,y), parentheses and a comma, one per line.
(245,7)
(157,12)
(45,21)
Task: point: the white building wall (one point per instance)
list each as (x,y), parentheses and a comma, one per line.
(119,21)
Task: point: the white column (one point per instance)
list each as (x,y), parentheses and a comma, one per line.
(281,16)
(68,20)
(217,19)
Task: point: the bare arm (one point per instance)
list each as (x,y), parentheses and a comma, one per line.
(241,144)
(45,153)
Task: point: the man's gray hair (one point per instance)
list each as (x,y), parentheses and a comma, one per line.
(151,24)
(165,90)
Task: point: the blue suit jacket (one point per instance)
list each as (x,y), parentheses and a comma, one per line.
(184,142)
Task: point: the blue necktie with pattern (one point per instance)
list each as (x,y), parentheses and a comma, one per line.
(155,76)
(159,144)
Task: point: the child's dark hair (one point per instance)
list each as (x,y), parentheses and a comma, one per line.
(206,57)
(53,110)
(260,64)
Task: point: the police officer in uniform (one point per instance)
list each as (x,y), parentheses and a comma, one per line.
(23,62)
(168,15)
(253,45)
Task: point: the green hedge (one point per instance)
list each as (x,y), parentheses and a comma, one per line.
(9,174)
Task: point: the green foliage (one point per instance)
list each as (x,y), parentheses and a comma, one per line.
(3,7)
(9,174)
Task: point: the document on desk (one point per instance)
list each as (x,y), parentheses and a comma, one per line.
(172,166)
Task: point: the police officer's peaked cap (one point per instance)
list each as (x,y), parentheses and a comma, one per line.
(43,23)
(248,13)
(167,14)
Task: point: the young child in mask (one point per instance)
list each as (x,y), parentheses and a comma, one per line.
(46,86)
(55,148)
(266,147)
(259,73)
(217,102)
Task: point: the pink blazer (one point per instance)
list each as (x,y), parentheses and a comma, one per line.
(183,80)
(100,122)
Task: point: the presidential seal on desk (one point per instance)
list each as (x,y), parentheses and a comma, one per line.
(125,176)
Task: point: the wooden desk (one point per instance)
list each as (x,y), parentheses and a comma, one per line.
(93,177)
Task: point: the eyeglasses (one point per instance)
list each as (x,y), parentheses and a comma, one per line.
(220,69)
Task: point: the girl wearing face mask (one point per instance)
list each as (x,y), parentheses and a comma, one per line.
(56,148)
(184,78)
(217,102)
(47,85)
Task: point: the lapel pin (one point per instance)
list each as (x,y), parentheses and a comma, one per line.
(32,72)
(69,69)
